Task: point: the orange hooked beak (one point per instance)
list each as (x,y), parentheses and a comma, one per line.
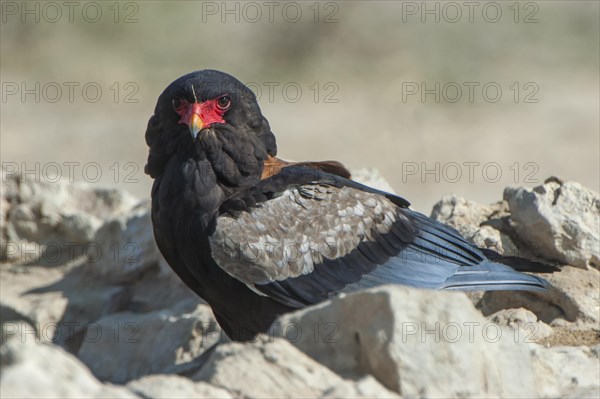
(199,116)
(193,118)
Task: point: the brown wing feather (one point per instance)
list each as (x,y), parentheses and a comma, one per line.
(273,165)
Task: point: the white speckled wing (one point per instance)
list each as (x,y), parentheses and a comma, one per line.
(288,235)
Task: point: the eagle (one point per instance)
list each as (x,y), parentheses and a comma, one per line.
(255,236)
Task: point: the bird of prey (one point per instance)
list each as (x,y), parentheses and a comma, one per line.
(256,236)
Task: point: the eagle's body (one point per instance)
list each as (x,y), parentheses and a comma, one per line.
(256,241)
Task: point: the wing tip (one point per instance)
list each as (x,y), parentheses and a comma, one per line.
(505,280)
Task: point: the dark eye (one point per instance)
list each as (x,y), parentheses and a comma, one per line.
(223,103)
(177,103)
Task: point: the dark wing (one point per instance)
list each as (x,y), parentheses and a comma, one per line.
(300,239)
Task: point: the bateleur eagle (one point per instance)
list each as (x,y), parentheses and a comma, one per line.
(256,237)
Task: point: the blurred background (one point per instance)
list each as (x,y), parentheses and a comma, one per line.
(441,97)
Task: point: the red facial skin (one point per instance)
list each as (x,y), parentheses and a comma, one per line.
(201,115)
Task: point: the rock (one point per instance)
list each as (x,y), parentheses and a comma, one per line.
(595,351)
(559,221)
(485,226)
(57,304)
(372,177)
(173,386)
(45,222)
(273,368)
(365,387)
(488,237)
(112,300)
(574,301)
(126,345)
(565,370)
(126,244)
(464,215)
(568,336)
(31,370)
(159,288)
(415,342)
(9,187)
(522,324)
(41,312)
(434,343)
(582,393)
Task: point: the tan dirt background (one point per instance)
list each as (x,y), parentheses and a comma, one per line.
(363,59)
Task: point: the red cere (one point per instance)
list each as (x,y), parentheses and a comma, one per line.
(210,112)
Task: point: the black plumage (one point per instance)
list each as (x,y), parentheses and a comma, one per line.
(256,237)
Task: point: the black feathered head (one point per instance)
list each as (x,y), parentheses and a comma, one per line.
(210,115)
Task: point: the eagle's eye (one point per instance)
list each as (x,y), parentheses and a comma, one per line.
(223,102)
(177,103)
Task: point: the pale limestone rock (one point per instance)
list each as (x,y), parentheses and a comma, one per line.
(273,368)
(127,245)
(129,317)
(31,370)
(173,386)
(46,221)
(435,344)
(483,225)
(372,178)
(558,220)
(522,324)
(125,346)
(415,342)
(565,370)
(57,303)
(574,300)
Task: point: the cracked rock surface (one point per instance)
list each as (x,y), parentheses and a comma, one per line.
(89,309)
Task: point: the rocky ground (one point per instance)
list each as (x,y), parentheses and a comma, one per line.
(89,309)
